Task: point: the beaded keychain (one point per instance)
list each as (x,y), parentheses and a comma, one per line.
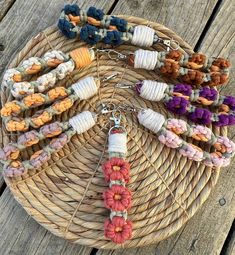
(178,99)
(82,90)
(117,198)
(77,124)
(169,131)
(115,30)
(62,63)
(172,64)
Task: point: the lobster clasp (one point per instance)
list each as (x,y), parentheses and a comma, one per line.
(113,54)
(107,108)
(170,44)
(116,117)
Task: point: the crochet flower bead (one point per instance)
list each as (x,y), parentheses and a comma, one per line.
(88,34)
(120,24)
(39,158)
(9,152)
(118,229)
(117,198)
(51,130)
(170,139)
(225,120)
(66,28)
(15,169)
(177,105)
(113,38)
(208,93)
(200,116)
(192,152)
(95,13)
(183,89)
(59,143)
(230,102)
(224,145)
(177,126)
(217,161)
(201,133)
(116,169)
(72,9)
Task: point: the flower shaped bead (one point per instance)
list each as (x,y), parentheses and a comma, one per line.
(201,116)
(224,145)
(15,169)
(177,105)
(217,161)
(170,139)
(116,169)
(117,198)
(118,229)
(177,126)
(192,152)
(201,133)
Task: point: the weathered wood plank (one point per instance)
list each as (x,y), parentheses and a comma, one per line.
(206,232)
(5,5)
(230,249)
(186,17)
(20,234)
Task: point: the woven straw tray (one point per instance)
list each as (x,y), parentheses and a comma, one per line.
(65,196)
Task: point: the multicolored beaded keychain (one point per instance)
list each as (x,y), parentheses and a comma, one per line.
(62,63)
(84,89)
(116,31)
(179,99)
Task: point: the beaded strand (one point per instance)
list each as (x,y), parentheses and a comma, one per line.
(178,99)
(13,78)
(82,90)
(168,132)
(78,124)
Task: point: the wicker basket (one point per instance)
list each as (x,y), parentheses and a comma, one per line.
(65,196)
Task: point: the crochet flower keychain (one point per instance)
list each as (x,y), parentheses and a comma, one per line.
(62,63)
(169,132)
(77,124)
(82,90)
(173,65)
(117,197)
(180,97)
(116,31)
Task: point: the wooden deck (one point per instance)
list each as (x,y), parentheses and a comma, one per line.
(207,25)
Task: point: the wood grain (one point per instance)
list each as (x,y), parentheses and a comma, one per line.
(230,249)
(20,234)
(5,5)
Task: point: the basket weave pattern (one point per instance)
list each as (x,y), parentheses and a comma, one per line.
(65,196)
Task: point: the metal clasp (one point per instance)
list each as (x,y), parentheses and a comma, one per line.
(116,117)
(113,54)
(170,43)
(123,86)
(107,108)
(110,77)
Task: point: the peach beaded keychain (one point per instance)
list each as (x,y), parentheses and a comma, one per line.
(82,90)
(117,198)
(63,64)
